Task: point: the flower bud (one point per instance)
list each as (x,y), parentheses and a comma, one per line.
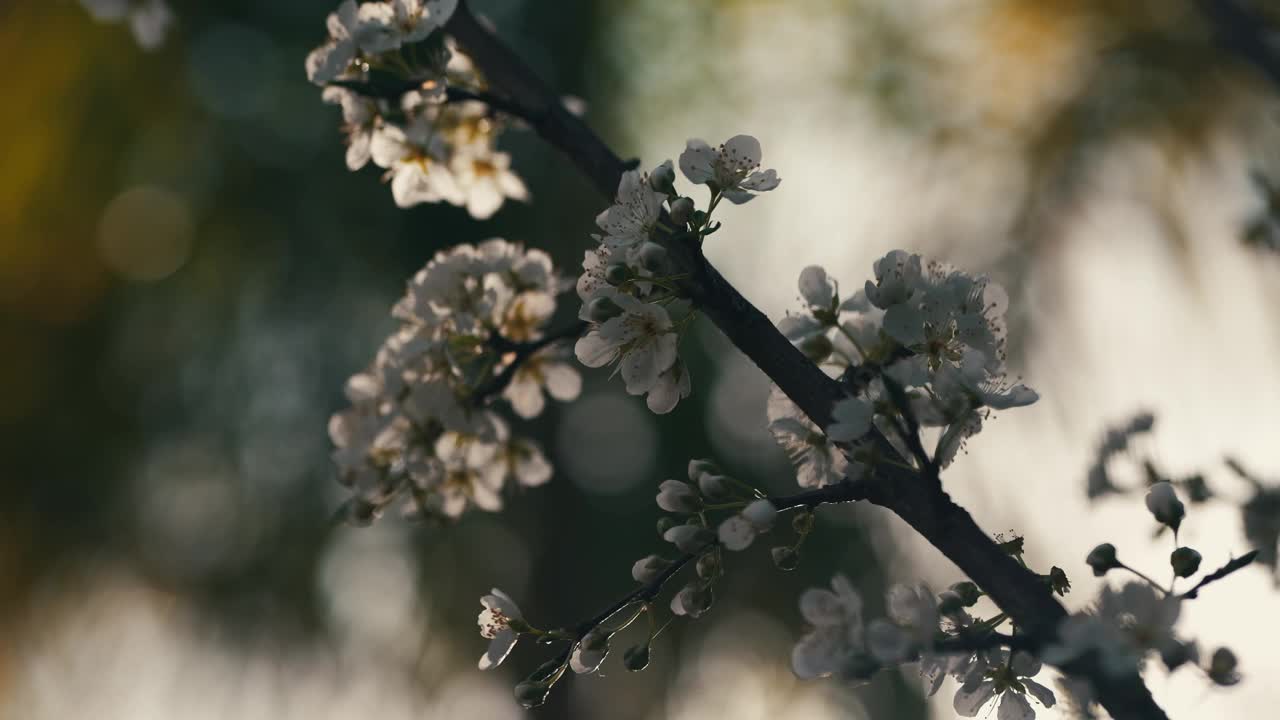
(708,566)
(1222,667)
(532,694)
(647,569)
(636,658)
(689,538)
(1164,504)
(663,178)
(713,487)
(697,468)
(652,256)
(665,524)
(698,218)
(616,274)
(1102,559)
(601,309)
(681,210)
(785,558)
(761,514)
(802,522)
(1185,562)
(950,603)
(678,497)
(693,600)
(968,592)
(817,347)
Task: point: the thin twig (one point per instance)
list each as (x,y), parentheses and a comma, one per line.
(523,351)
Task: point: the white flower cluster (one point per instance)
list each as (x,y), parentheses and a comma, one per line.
(627,286)
(416,428)
(841,644)
(397,115)
(149,20)
(936,333)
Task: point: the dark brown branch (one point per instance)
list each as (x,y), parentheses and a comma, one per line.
(929,510)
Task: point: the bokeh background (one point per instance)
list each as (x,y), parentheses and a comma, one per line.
(188,274)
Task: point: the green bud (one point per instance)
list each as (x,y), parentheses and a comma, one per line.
(616,274)
(1102,559)
(681,210)
(698,218)
(1174,654)
(1222,667)
(636,658)
(663,178)
(1185,562)
(652,256)
(785,558)
(602,308)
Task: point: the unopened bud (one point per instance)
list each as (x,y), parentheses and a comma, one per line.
(1222,667)
(652,256)
(601,309)
(689,538)
(1102,559)
(1175,654)
(697,468)
(1185,562)
(616,274)
(532,694)
(785,558)
(665,524)
(663,178)
(647,569)
(681,210)
(713,487)
(859,666)
(708,566)
(636,658)
(1164,504)
(802,522)
(950,602)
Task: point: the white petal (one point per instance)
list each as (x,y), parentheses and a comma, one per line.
(1014,706)
(594,351)
(564,383)
(905,323)
(816,287)
(971,697)
(697,162)
(1041,693)
(852,419)
(742,150)
(525,395)
(483,200)
(499,647)
(736,533)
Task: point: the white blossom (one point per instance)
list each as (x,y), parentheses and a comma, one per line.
(641,340)
(496,619)
(675,496)
(485,181)
(1007,681)
(415,160)
(732,168)
(359,117)
(852,416)
(542,371)
(837,635)
(1123,628)
(689,538)
(630,221)
(738,531)
(648,568)
(817,460)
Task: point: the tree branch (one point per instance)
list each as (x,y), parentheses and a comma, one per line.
(929,510)
(523,351)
